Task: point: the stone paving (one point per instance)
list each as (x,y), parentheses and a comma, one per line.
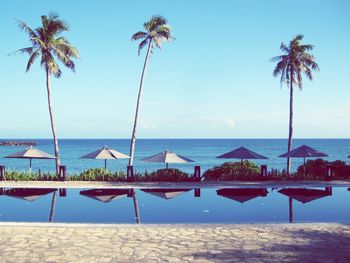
(174,243)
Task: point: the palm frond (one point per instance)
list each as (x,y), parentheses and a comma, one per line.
(139,35)
(64,58)
(24,27)
(32,58)
(155,22)
(28,50)
(142,45)
(64,46)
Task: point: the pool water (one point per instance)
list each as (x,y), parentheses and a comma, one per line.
(228,205)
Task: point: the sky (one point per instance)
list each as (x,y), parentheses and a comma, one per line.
(213,81)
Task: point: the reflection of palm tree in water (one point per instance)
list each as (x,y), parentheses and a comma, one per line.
(136,207)
(303,195)
(53,204)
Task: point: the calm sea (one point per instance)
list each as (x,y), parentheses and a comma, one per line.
(202,151)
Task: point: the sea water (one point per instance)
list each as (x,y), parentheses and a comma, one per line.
(202,151)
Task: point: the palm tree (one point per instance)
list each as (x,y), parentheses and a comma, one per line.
(46,44)
(296,61)
(156,30)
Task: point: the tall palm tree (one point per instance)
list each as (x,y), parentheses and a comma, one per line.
(296,61)
(156,30)
(46,45)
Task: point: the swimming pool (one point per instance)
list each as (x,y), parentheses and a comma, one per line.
(226,205)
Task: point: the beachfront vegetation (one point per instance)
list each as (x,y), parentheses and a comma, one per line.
(166,175)
(98,174)
(13,175)
(296,61)
(156,31)
(320,168)
(230,171)
(46,44)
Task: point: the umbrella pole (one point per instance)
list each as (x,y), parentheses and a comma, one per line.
(30,165)
(304,166)
(290,210)
(167,166)
(103,176)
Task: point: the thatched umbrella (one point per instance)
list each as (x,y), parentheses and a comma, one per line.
(304,151)
(242,194)
(28,194)
(241,153)
(166,193)
(105,195)
(105,154)
(30,153)
(303,195)
(167,157)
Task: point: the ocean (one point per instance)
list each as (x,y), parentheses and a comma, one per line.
(202,151)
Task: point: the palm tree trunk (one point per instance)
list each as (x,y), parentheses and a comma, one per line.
(57,153)
(133,137)
(290,122)
(53,204)
(136,207)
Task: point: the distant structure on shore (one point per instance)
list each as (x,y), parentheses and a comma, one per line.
(17,143)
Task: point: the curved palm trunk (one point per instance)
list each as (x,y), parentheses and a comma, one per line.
(136,207)
(57,153)
(290,123)
(53,204)
(138,105)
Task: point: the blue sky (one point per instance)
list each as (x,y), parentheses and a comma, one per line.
(214,81)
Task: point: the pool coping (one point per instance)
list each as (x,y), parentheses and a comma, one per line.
(167,225)
(235,184)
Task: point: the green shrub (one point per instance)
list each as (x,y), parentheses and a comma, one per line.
(317,169)
(230,171)
(98,174)
(165,175)
(13,175)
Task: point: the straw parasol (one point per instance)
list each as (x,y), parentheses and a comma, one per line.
(166,193)
(30,153)
(105,154)
(242,194)
(28,194)
(241,153)
(105,195)
(304,151)
(303,195)
(167,157)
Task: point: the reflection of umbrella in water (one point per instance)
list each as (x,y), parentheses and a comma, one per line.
(30,153)
(304,151)
(241,153)
(303,195)
(166,193)
(105,195)
(242,194)
(29,194)
(167,157)
(105,154)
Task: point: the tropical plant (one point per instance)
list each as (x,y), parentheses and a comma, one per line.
(156,30)
(229,171)
(46,44)
(98,174)
(296,61)
(166,175)
(13,175)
